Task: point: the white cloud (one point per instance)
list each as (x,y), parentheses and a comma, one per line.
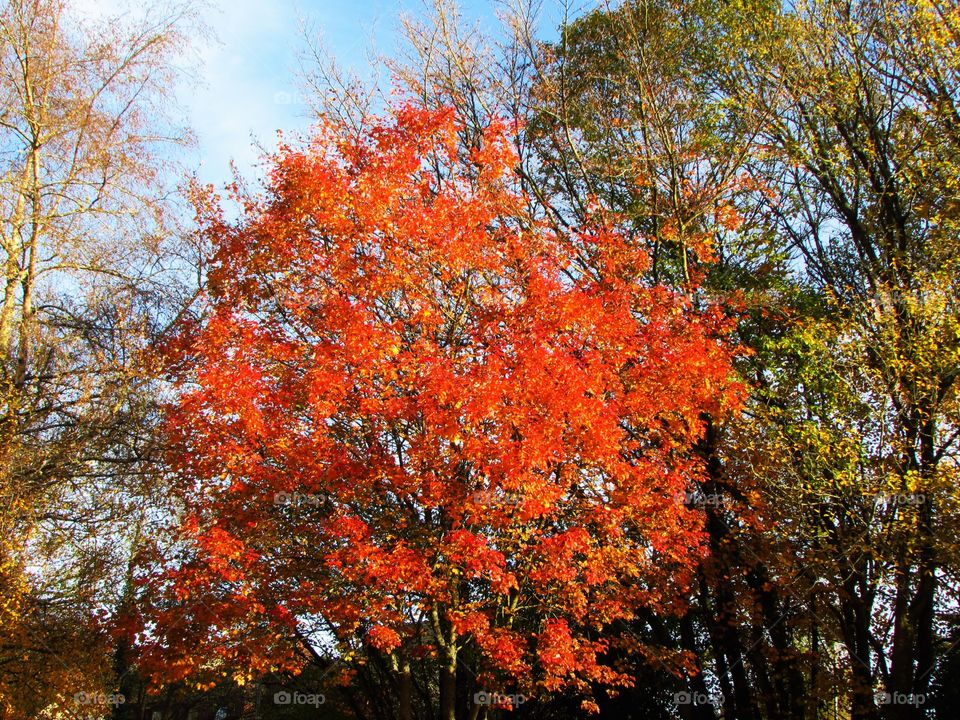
(244,68)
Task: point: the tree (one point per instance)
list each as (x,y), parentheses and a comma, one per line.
(420,428)
(87,226)
(860,133)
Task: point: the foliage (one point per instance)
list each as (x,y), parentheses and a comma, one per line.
(485,430)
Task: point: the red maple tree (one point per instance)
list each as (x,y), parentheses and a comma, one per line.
(420,424)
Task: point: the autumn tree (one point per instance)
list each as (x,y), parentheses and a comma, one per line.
(86,230)
(420,430)
(858,129)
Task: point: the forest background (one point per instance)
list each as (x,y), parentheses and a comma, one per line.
(582,360)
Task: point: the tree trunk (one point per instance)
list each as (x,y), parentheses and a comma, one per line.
(448,687)
(405,710)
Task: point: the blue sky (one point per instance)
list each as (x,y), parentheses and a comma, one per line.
(247,75)
(248,80)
